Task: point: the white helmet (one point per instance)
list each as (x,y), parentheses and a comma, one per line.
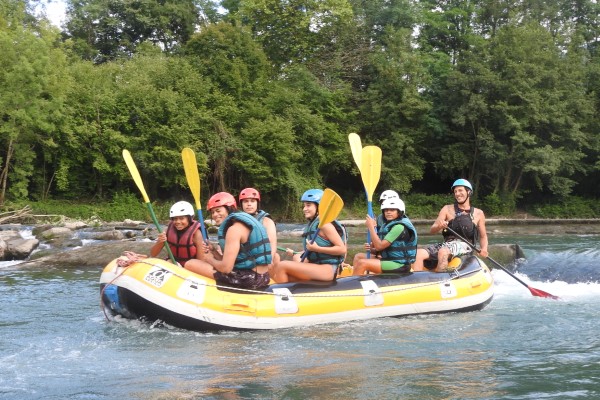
(393,204)
(388,194)
(181,208)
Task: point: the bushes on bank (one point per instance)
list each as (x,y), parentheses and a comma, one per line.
(125,205)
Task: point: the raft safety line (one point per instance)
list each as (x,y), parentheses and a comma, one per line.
(455,273)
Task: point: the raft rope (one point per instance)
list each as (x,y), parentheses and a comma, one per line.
(125,261)
(453,275)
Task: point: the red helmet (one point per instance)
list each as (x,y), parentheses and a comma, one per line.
(249,193)
(221,199)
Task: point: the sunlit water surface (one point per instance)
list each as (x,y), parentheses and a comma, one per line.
(55,343)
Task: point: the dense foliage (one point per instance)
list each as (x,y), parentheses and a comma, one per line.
(506,94)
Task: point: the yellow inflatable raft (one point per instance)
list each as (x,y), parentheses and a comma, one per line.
(154,289)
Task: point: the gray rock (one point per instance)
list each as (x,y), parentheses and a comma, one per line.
(505,253)
(95,255)
(76,225)
(108,235)
(130,222)
(9,235)
(38,229)
(20,249)
(3,248)
(55,232)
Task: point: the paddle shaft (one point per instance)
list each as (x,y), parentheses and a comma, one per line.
(284,249)
(534,291)
(135,174)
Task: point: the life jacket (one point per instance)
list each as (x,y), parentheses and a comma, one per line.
(260,215)
(462,224)
(404,249)
(257,250)
(181,242)
(322,258)
(380,221)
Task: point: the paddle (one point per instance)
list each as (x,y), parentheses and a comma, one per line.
(370,172)
(329,208)
(138,181)
(191,174)
(284,249)
(356,148)
(534,291)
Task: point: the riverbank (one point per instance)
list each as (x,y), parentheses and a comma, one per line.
(525,226)
(139,237)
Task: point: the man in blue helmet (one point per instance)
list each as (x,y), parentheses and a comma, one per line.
(461,217)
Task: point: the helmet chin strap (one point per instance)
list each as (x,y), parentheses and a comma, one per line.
(467,198)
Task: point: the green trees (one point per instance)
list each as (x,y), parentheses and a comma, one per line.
(32,74)
(504,94)
(105,30)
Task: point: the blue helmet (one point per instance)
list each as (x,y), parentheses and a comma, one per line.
(313,195)
(462,182)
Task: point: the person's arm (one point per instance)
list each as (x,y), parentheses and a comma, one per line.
(382,244)
(269,225)
(158,246)
(329,232)
(237,233)
(376,244)
(483,239)
(198,241)
(441,221)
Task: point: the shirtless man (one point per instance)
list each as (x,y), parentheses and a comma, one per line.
(461,217)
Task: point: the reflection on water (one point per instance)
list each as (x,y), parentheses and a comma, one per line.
(56,344)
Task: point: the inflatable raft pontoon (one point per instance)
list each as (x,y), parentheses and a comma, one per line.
(154,289)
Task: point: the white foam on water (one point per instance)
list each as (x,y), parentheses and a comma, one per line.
(507,285)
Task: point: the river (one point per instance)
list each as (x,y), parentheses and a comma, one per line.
(55,343)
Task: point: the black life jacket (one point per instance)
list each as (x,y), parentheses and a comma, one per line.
(462,224)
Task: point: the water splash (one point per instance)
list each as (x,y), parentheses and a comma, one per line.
(570,266)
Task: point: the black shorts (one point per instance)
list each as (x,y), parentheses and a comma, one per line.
(243,278)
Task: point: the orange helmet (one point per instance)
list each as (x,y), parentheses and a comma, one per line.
(221,199)
(249,193)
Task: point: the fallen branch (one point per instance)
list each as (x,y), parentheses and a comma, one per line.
(16,216)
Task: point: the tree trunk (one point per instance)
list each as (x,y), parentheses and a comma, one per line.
(220,162)
(4,173)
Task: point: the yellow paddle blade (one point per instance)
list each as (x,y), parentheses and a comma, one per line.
(191,173)
(329,207)
(135,174)
(356,148)
(370,169)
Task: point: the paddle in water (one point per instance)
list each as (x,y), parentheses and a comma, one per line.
(193,178)
(534,291)
(329,208)
(135,174)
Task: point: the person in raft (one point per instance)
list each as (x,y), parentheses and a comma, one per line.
(464,219)
(250,202)
(386,194)
(324,256)
(395,241)
(182,235)
(245,248)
